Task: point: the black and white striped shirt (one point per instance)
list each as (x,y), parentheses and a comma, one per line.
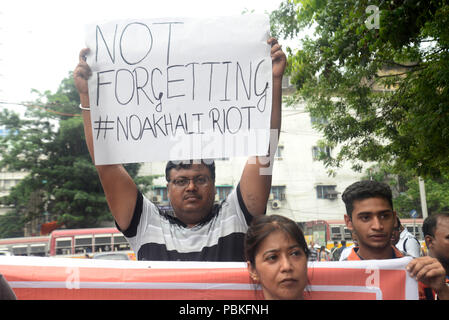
(156,236)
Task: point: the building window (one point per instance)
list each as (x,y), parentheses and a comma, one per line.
(160,193)
(279,152)
(223,192)
(318,120)
(286,82)
(317,151)
(4,132)
(7,184)
(277,193)
(326,192)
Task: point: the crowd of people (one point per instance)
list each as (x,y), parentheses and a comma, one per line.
(237,229)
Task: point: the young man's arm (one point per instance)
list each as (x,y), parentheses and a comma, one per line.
(118,186)
(254,186)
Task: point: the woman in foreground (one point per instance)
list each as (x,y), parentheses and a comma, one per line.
(276,254)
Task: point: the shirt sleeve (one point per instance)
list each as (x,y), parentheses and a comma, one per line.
(131,231)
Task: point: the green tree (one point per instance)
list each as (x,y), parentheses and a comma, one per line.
(405,188)
(382,86)
(48,142)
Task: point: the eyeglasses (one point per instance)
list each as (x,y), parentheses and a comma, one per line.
(199,181)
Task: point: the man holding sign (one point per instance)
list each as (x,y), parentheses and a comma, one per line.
(199,230)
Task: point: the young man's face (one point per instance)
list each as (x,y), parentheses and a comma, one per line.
(373,222)
(439,244)
(192,193)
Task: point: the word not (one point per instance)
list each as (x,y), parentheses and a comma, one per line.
(129,32)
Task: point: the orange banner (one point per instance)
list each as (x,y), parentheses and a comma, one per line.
(61,278)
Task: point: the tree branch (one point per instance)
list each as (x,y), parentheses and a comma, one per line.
(398,74)
(400,64)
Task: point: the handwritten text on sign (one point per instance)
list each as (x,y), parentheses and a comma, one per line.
(176,89)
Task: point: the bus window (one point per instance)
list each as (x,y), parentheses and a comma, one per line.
(20,250)
(83,244)
(416,231)
(348,235)
(64,246)
(419,233)
(39,250)
(336,233)
(120,243)
(103,243)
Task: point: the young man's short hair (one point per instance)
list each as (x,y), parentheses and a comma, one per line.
(365,189)
(187,164)
(430,223)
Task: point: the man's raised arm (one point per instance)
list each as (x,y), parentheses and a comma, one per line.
(255,183)
(118,186)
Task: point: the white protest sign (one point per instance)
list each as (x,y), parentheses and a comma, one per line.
(179,88)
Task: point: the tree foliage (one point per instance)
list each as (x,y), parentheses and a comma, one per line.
(382,88)
(48,143)
(406,193)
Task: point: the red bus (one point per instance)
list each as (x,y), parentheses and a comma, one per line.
(26,246)
(79,242)
(69,243)
(317,231)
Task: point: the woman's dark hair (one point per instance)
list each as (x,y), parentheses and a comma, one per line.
(366,189)
(187,164)
(263,226)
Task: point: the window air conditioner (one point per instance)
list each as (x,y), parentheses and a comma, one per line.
(331,195)
(156,199)
(276,204)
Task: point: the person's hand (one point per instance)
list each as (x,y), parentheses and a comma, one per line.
(278,58)
(81,74)
(430,272)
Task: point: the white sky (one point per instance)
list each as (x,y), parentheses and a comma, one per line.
(40,39)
